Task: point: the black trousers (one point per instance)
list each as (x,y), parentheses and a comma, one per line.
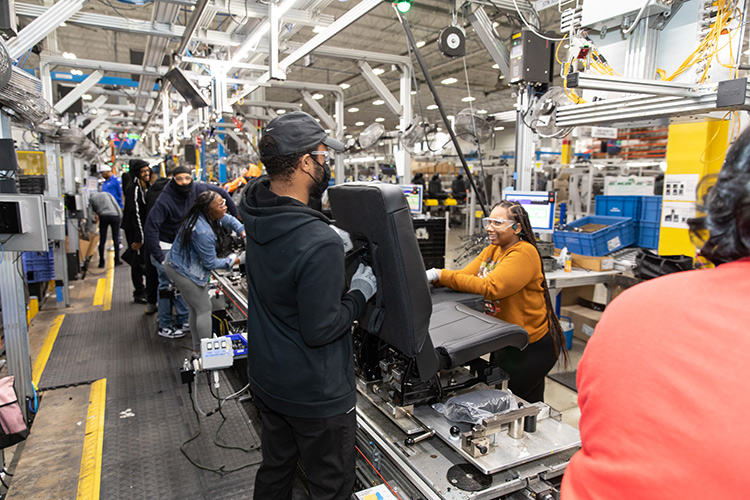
(137,269)
(113,222)
(152,277)
(528,368)
(325,446)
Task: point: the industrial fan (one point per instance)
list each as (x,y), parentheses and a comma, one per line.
(6,65)
(472,127)
(544,112)
(371,135)
(415,133)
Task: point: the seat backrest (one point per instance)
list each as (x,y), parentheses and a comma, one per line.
(378,214)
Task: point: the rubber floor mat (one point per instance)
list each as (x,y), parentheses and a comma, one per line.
(568,379)
(149,412)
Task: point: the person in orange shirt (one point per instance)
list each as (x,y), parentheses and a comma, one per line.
(509,274)
(251,172)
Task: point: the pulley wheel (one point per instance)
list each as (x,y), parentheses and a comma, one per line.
(452,42)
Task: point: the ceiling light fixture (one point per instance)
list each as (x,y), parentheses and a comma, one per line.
(481,111)
(421,44)
(495,66)
(468,98)
(317,97)
(353,110)
(449,81)
(378,102)
(432,106)
(318,29)
(344,85)
(379,119)
(280,111)
(378,71)
(359,124)
(500,128)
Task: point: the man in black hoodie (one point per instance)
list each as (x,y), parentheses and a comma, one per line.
(134,217)
(300,366)
(162,224)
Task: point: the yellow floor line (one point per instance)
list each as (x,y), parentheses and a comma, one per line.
(101,283)
(110,281)
(43,356)
(89,479)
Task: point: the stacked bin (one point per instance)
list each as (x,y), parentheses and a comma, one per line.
(619,233)
(39,266)
(644,210)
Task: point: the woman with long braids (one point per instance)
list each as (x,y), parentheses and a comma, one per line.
(510,276)
(194,255)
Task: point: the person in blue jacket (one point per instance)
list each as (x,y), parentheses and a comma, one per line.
(194,255)
(162,223)
(112,184)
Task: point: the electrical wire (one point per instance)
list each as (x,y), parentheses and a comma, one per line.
(474,127)
(221,470)
(2,253)
(537,33)
(637,18)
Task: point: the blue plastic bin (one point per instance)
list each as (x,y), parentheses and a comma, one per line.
(650,209)
(619,234)
(568,331)
(619,206)
(39,266)
(648,234)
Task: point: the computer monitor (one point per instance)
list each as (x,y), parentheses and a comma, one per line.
(540,205)
(413,193)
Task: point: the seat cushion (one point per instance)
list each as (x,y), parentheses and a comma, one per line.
(461,334)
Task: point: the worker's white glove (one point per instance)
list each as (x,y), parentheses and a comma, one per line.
(232,259)
(432,275)
(241,258)
(364,281)
(346,238)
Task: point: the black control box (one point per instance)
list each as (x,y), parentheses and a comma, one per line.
(530,58)
(10,217)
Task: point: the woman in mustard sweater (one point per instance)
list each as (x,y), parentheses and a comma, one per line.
(509,275)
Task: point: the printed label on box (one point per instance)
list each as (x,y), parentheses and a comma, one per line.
(680,187)
(613,244)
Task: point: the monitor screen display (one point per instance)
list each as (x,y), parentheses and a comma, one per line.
(413,193)
(540,205)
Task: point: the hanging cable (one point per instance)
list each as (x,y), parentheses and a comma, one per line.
(536,32)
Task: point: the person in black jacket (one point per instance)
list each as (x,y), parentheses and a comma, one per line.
(134,217)
(162,224)
(301,365)
(152,277)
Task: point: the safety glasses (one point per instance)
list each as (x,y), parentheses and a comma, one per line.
(325,154)
(498,224)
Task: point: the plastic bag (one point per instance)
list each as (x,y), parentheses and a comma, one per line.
(474,406)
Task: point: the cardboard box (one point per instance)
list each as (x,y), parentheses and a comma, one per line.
(87,248)
(584,320)
(591,263)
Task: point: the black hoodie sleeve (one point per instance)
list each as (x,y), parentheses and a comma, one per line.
(325,315)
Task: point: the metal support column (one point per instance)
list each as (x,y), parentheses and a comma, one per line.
(54,190)
(403,158)
(13,300)
(339,158)
(524,144)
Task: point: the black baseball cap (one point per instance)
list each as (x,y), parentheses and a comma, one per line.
(297,131)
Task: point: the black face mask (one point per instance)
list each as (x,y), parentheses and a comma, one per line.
(316,191)
(183,189)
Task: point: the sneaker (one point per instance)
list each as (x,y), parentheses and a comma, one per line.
(185,327)
(151,308)
(171,333)
(140,299)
